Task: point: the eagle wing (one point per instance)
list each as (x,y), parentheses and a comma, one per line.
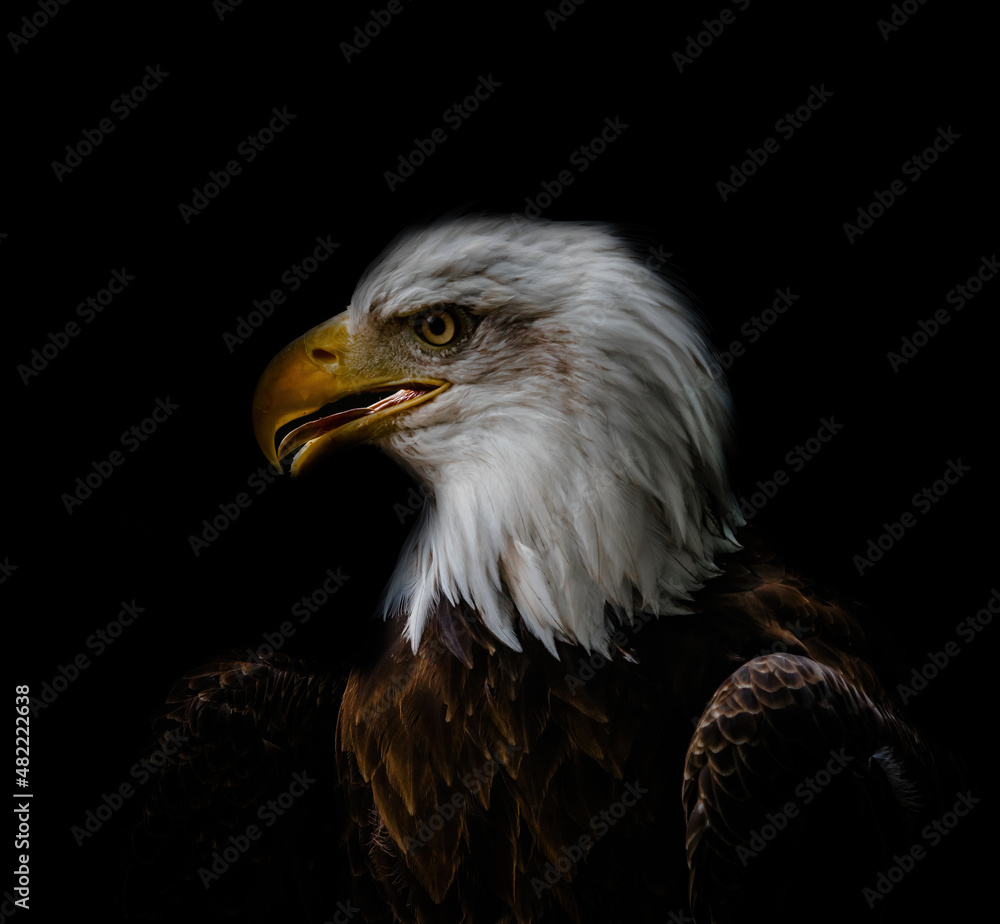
(793,771)
(242,812)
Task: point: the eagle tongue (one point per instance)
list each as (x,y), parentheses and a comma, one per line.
(314,428)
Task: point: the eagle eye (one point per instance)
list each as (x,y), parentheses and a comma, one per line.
(437,326)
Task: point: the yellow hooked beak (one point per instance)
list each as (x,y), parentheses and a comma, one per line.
(314,371)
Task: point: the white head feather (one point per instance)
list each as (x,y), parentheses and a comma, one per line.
(575,468)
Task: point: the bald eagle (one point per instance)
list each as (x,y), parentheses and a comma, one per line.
(593,701)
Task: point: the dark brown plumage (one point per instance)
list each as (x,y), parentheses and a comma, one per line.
(467,782)
(737,756)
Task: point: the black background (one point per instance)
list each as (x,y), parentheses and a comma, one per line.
(324,175)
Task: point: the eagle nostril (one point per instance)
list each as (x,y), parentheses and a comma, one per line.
(324,356)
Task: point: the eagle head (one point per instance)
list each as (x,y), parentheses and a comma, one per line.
(557,400)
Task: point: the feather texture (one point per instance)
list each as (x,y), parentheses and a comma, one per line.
(574,632)
(577,459)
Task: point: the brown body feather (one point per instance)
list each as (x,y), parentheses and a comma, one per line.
(475,783)
(563,740)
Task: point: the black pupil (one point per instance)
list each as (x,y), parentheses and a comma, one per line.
(436,325)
